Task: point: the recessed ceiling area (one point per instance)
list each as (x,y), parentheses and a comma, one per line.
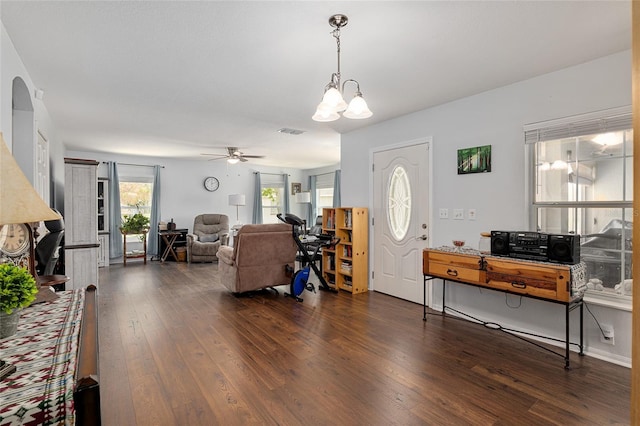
(176,79)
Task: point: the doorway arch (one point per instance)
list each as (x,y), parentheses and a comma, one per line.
(22,128)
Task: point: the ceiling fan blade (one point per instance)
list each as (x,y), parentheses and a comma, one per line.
(252,156)
(244,160)
(217,155)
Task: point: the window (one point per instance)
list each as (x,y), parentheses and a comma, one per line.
(324,192)
(272,198)
(136,192)
(583,184)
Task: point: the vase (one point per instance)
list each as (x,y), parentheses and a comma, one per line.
(9,323)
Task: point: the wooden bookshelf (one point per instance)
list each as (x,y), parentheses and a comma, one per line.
(345,266)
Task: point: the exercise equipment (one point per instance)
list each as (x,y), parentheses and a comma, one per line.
(300,279)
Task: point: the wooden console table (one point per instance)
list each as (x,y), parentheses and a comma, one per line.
(539,280)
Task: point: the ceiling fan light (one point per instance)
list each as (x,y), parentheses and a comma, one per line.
(324,114)
(333,99)
(232,160)
(358,108)
(608,139)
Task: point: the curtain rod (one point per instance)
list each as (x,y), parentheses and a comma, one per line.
(274,174)
(131,164)
(328,173)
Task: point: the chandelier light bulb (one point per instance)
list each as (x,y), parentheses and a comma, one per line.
(358,108)
(325,114)
(333,99)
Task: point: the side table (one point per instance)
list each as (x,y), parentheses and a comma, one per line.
(169,238)
(131,255)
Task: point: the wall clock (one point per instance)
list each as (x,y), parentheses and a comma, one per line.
(16,245)
(211,184)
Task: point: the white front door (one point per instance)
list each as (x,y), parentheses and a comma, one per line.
(401,220)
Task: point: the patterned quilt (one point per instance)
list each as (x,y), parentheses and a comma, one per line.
(44,350)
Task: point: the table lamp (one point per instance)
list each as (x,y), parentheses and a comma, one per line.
(237,200)
(20,205)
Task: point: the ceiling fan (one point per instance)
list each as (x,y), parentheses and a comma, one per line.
(233,155)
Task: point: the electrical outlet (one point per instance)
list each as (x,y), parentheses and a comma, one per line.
(444,213)
(458,214)
(607,335)
(471,214)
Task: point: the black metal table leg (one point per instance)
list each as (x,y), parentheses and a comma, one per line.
(444,286)
(566,323)
(581,328)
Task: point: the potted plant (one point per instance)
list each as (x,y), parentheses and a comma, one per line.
(17,290)
(135,224)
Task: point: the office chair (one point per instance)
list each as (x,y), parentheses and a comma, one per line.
(317,228)
(47,248)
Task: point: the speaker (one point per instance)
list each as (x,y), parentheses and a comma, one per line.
(500,243)
(564,248)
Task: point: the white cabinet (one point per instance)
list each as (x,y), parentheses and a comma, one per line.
(81,222)
(103,222)
(103,250)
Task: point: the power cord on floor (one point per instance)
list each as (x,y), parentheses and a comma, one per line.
(597,323)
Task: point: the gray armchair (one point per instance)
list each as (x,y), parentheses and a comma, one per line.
(210,231)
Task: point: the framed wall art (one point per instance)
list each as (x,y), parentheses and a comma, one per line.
(474,160)
(295,188)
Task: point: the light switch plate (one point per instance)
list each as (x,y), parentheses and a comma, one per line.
(471,214)
(444,213)
(458,214)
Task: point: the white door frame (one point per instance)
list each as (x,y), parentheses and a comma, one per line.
(428,140)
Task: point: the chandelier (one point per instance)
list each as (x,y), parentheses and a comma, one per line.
(332,102)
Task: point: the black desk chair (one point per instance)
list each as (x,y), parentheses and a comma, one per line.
(316,229)
(46,250)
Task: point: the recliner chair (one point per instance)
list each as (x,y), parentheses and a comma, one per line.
(262,256)
(210,231)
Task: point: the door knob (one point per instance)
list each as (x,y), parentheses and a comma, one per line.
(421,237)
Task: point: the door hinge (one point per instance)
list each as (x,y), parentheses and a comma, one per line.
(372,222)
(373,274)
(373,167)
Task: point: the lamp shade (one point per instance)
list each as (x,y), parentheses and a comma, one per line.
(325,114)
(237,200)
(303,197)
(332,98)
(19,201)
(358,108)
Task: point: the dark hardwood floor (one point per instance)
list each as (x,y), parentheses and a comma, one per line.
(176,348)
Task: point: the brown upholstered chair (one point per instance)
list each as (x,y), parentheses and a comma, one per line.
(258,259)
(210,231)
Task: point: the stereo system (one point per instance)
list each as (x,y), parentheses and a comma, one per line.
(557,248)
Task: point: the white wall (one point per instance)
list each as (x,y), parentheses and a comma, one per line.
(183,195)
(11,66)
(497,118)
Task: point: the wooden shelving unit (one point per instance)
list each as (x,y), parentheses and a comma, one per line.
(345,266)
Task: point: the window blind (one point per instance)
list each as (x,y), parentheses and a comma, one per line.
(612,120)
(325,180)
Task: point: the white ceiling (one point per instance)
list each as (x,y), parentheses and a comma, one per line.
(177,79)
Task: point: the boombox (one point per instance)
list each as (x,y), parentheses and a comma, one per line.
(557,248)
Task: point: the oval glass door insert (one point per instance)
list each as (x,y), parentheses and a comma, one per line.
(399,207)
